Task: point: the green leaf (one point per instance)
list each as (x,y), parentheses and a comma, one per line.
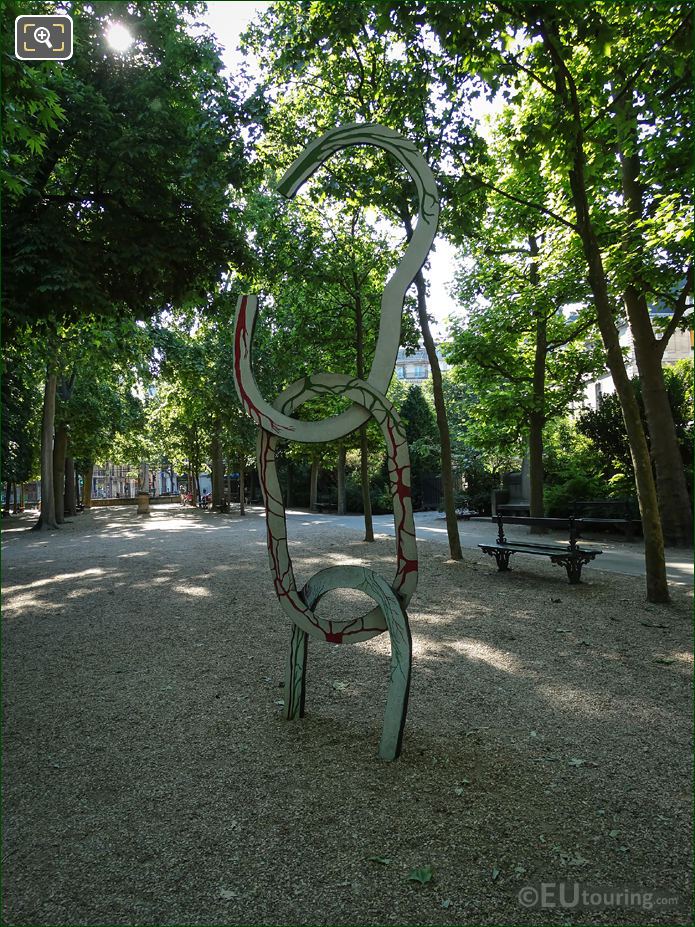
(421,875)
(383,860)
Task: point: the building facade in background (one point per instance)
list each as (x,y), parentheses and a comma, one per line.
(415,368)
(680,346)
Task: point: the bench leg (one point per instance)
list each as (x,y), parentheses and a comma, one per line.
(502,558)
(574,571)
(573,565)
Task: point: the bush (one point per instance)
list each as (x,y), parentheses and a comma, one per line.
(558,499)
(379,494)
(382,502)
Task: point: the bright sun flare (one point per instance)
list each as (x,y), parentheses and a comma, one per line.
(118,37)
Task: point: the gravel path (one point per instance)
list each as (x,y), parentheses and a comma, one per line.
(150,778)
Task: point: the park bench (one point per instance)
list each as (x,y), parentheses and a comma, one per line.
(608,513)
(572,557)
(321,504)
(514,508)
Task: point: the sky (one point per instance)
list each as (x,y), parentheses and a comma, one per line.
(228,21)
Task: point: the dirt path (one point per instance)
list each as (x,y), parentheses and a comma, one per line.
(150,779)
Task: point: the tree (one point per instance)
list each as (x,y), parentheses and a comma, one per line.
(574,69)
(605,426)
(423,439)
(323,268)
(123,205)
(22,377)
(344,62)
(518,346)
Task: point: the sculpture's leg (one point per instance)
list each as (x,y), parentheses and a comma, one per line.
(399,686)
(295,676)
(353,577)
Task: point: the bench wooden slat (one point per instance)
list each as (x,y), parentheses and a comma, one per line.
(543,551)
(534,522)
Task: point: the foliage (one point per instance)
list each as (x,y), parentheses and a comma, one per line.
(121,203)
(21,401)
(523,343)
(423,440)
(605,426)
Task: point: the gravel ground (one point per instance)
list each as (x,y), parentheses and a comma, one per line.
(150,777)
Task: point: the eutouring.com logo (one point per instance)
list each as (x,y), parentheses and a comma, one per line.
(577,897)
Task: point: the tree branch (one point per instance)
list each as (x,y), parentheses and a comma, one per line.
(578,330)
(537,206)
(678,311)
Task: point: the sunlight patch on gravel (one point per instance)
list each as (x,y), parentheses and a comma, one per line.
(194,591)
(477,650)
(49,580)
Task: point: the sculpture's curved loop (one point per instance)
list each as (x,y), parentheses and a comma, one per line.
(292,602)
(415,255)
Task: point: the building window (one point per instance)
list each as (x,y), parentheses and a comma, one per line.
(420,373)
(400,373)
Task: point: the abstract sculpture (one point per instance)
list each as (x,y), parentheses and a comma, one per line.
(368,400)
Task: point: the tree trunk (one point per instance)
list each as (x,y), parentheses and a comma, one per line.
(144,477)
(47,518)
(314,484)
(452,527)
(364,443)
(537,416)
(657,585)
(15,509)
(77,488)
(290,484)
(228,467)
(672,490)
(217,473)
(70,499)
(21,496)
(674,503)
(340,479)
(252,485)
(8,498)
(60,447)
(364,475)
(242,486)
(87,486)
